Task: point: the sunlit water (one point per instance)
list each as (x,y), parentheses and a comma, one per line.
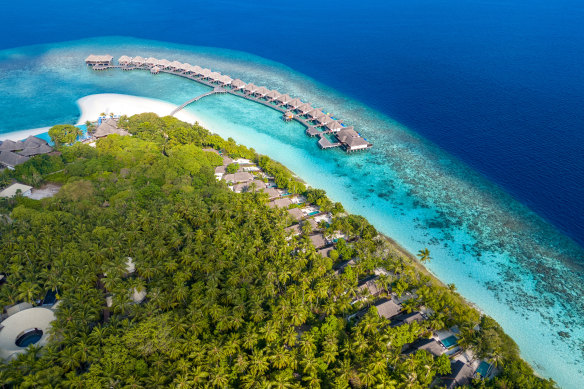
(501,256)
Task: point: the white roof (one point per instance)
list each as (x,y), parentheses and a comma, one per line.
(100,58)
(176,64)
(138,60)
(205,72)
(12,189)
(125,59)
(13,326)
(150,61)
(164,63)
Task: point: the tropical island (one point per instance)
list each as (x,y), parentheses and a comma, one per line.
(175,258)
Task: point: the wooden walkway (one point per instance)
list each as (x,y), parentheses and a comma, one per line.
(217,89)
(311,129)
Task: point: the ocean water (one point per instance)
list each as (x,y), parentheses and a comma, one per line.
(512,263)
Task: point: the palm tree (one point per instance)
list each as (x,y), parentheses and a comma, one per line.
(424,255)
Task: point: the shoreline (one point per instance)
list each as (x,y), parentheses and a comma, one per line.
(92,106)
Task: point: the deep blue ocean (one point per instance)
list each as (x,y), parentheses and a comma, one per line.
(475,104)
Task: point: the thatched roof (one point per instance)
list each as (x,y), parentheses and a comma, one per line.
(430,345)
(273,94)
(108,127)
(164,63)
(370,285)
(315,113)
(294,230)
(238,177)
(262,91)
(296,213)
(284,99)
(356,142)
(186,67)
(387,308)
(33,141)
(295,103)
(10,159)
(151,61)
(36,150)
(280,203)
(9,145)
(124,59)
(154,70)
(237,83)
(176,65)
(215,76)
(226,80)
(99,58)
(346,134)
(250,88)
(196,69)
(334,126)
(205,72)
(461,374)
(272,193)
(324,119)
(138,60)
(304,108)
(317,240)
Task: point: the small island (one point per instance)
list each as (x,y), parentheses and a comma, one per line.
(174,258)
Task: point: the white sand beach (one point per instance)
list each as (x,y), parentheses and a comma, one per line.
(93,105)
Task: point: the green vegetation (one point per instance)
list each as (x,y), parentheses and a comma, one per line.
(64,134)
(232,168)
(231,302)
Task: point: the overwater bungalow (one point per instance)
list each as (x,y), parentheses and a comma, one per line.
(185,67)
(205,73)
(225,80)
(138,61)
(237,84)
(196,70)
(154,70)
(303,109)
(334,126)
(175,65)
(283,99)
(314,113)
(261,92)
(151,62)
(99,60)
(215,77)
(323,120)
(249,88)
(272,95)
(295,103)
(124,60)
(163,63)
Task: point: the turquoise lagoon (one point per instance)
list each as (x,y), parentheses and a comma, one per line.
(501,256)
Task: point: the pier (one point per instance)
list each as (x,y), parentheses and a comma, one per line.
(317,122)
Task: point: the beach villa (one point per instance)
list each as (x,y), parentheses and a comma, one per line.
(14,189)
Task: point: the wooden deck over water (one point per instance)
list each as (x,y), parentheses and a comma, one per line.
(311,129)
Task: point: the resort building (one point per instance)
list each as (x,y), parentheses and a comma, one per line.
(296,213)
(124,60)
(317,241)
(429,345)
(196,70)
(283,99)
(225,80)
(409,318)
(314,113)
(352,140)
(237,84)
(23,328)
(175,65)
(215,77)
(15,189)
(294,103)
(97,60)
(164,64)
(303,109)
(250,88)
(272,193)
(280,203)
(108,127)
(205,73)
(11,160)
(238,177)
(387,308)
(138,61)
(151,61)
(334,126)
(154,70)
(261,92)
(461,374)
(369,285)
(272,95)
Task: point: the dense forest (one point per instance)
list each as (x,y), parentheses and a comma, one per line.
(232,300)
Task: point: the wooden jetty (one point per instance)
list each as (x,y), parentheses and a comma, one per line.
(317,122)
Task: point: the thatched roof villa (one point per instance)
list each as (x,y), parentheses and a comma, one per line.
(237,84)
(250,88)
(124,60)
(151,61)
(283,99)
(93,60)
(387,308)
(272,95)
(108,127)
(138,61)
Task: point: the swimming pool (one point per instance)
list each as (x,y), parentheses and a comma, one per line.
(484,368)
(314,213)
(449,342)
(29,337)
